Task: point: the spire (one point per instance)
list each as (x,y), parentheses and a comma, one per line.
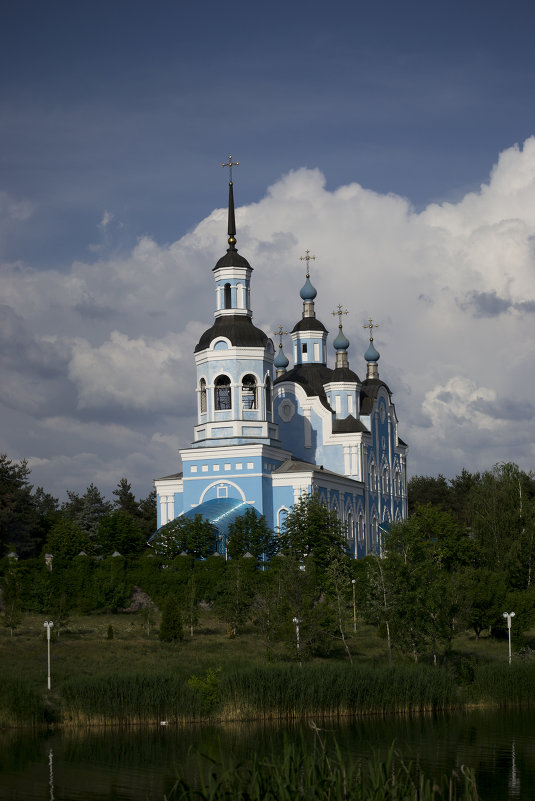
(372,355)
(281,362)
(308,292)
(231,217)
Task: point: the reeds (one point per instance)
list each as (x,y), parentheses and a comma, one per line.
(304,773)
(504,685)
(21,705)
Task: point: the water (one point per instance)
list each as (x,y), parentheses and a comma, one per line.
(144,763)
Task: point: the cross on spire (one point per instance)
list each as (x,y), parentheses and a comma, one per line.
(280,334)
(371,325)
(308,258)
(230,164)
(340,311)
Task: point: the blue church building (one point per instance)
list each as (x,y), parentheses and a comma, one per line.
(268,431)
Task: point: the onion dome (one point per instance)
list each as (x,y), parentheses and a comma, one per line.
(372,354)
(281,362)
(308,292)
(341,342)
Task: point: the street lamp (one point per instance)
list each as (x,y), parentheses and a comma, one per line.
(353,582)
(48,624)
(509,616)
(297,621)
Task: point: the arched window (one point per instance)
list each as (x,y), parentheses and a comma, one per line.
(227,297)
(397,483)
(349,526)
(222,393)
(248,392)
(385,480)
(373,479)
(361,526)
(202,395)
(268,395)
(375,530)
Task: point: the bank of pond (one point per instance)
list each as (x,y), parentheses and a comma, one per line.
(271,692)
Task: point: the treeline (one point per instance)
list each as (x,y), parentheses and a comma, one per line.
(464,556)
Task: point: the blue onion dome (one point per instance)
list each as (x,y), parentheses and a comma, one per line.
(281,362)
(308,292)
(372,354)
(341,342)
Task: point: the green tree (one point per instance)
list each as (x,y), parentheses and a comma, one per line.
(481,594)
(311,531)
(117,531)
(147,514)
(125,499)
(235,593)
(65,541)
(20,527)
(193,536)
(250,533)
(340,590)
(428,490)
(171,629)
(86,510)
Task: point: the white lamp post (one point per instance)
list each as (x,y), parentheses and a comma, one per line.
(509,616)
(353,582)
(297,621)
(48,624)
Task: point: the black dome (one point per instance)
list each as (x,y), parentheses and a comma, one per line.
(238,328)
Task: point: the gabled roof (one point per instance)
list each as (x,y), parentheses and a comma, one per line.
(368,393)
(168,478)
(311,377)
(349,425)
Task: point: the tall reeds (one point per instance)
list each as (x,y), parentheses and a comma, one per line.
(315,773)
(504,685)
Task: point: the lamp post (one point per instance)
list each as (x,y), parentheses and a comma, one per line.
(297,621)
(48,624)
(353,582)
(509,616)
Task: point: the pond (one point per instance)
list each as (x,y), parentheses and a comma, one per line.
(86,765)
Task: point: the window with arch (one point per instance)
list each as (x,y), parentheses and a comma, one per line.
(202,395)
(373,477)
(269,398)
(397,482)
(222,393)
(282,517)
(227,297)
(248,391)
(361,526)
(385,482)
(349,526)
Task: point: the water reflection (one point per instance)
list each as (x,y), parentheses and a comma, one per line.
(144,763)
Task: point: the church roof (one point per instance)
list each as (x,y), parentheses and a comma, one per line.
(221,512)
(368,393)
(166,478)
(344,374)
(349,425)
(311,377)
(238,328)
(308,324)
(232,259)
(293,465)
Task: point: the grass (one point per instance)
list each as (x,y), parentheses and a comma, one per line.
(135,678)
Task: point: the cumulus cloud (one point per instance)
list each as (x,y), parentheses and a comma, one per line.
(453,287)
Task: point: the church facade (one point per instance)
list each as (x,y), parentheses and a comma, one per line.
(268,431)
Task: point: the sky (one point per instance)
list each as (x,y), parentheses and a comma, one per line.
(395,141)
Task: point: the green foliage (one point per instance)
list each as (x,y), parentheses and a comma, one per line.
(207,687)
(235,593)
(193,536)
(311,531)
(65,541)
(250,533)
(86,510)
(117,531)
(23,515)
(171,629)
(321,774)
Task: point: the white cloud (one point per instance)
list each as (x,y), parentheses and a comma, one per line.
(453,287)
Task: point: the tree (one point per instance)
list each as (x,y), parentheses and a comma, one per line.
(147,514)
(171,623)
(87,509)
(193,536)
(312,531)
(65,541)
(424,490)
(235,593)
(339,587)
(250,533)
(19,521)
(125,498)
(117,531)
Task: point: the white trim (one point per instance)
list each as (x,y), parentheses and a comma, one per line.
(219,483)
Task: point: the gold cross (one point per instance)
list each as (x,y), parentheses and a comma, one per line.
(339,313)
(371,325)
(280,334)
(230,164)
(307,258)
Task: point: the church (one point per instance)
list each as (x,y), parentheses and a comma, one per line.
(268,431)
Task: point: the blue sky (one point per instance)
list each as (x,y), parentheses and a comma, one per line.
(115,117)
